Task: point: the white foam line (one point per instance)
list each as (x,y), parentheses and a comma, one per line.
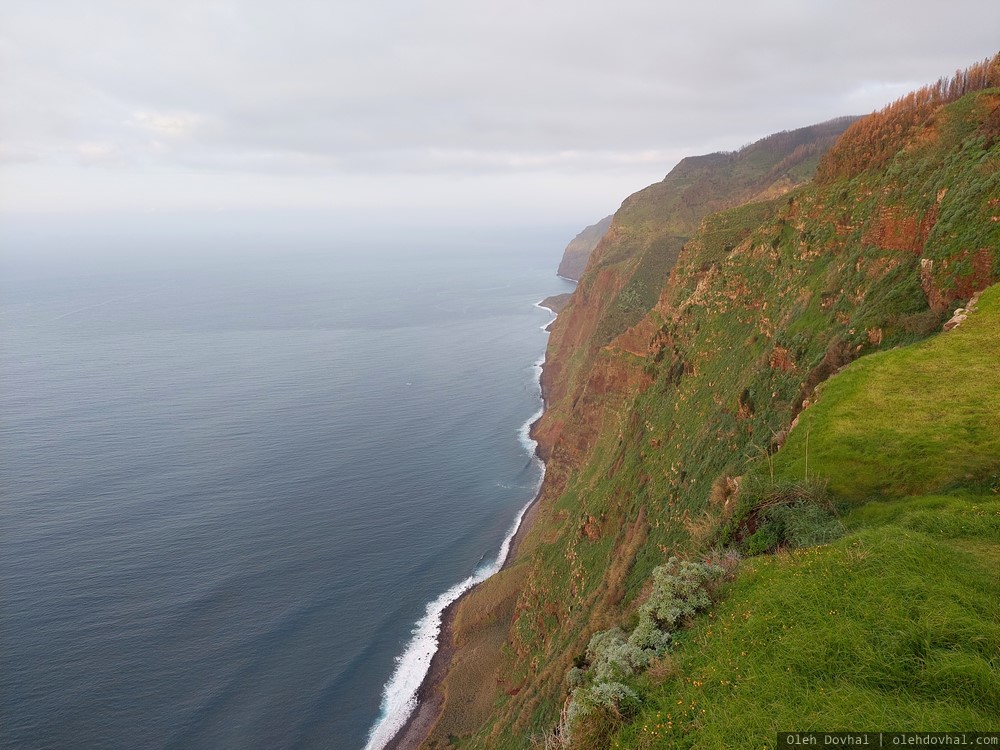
(399,696)
(524,433)
(552,312)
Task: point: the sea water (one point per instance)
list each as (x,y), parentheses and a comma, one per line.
(236,485)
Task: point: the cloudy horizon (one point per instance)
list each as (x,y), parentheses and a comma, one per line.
(430,109)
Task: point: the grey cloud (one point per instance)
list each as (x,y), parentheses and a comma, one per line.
(444,86)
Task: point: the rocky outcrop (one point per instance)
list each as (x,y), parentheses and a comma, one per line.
(556,302)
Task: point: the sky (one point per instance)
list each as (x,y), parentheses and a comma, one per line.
(436,111)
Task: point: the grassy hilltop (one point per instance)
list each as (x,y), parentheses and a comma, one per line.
(752,379)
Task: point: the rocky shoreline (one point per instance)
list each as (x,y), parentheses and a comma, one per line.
(430,695)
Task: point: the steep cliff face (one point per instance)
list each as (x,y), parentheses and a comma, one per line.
(577,252)
(715,304)
(631,263)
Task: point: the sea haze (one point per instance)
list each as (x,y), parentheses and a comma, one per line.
(233,482)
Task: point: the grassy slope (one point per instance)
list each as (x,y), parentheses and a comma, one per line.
(895,626)
(763,301)
(909,421)
(629,266)
(652,225)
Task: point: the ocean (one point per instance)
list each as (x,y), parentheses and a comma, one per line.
(233,482)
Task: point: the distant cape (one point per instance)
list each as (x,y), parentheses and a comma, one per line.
(578,251)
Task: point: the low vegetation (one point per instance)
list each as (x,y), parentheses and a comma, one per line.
(911,421)
(872,141)
(867,595)
(600,699)
(888,627)
(894,624)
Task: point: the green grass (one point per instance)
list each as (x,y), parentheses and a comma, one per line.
(895,626)
(913,420)
(888,628)
(766,301)
(943,517)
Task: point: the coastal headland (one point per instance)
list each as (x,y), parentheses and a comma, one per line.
(764,370)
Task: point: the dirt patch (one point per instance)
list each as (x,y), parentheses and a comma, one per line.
(781,359)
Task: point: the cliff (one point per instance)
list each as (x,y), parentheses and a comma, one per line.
(632,261)
(577,252)
(680,383)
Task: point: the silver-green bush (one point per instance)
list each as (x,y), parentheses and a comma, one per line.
(678,591)
(648,636)
(612,657)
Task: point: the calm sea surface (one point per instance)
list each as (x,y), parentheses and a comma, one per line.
(231,485)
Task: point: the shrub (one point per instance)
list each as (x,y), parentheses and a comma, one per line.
(580,705)
(600,641)
(613,658)
(806,524)
(764,539)
(648,636)
(594,709)
(679,591)
(575,677)
(593,713)
(617,698)
(792,513)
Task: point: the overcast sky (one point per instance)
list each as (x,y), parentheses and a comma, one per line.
(489,111)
